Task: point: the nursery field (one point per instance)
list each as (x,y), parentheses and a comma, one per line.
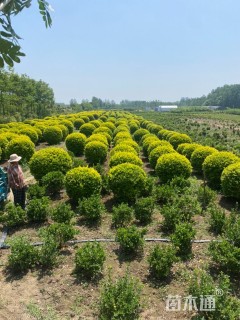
(128,216)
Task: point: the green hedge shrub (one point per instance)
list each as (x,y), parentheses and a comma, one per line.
(62,213)
(3,145)
(38,209)
(31,133)
(178,138)
(95,152)
(48,160)
(82,182)
(98,137)
(67,124)
(122,215)
(103,130)
(133,126)
(23,255)
(75,142)
(64,130)
(121,136)
(13,216)
(130,239)
(214,165)
(87,129)
(78,123)
(22,146)
(91,208)
(53,182)
(158,143)
(182,238)
(125,157)
(144,209)
(173,165)
(139,134)
(52,135)
(120,299)
(230,181)
(146,143)
(161,260)
(157,153)
(122,147)
(188,149)
(127,181)
(35,191)
(60,232)
(199,155)
(217,219)
(89,260)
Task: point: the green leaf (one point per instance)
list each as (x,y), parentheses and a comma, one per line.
(1,62)
(8,60)
(5,34)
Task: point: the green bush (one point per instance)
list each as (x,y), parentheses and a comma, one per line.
(182,238)
(62,213)
(122,215)
(48,253)
(127,181)
(35,191)
(122,147)
(173,165)
(187,149)
(3,145)
(82,182)
(138,134)
(38,209)
(133,126)
(217,219)
(13,216)
(230,181)
(199,155)
(158,152)
(130,239)
(226,306)
(104,131)
(157,143)
(60,232)
(120,300)
(146,140)
(121,136)
(22,146)
(53,182)
(48,160)
(89,260)
(124,157)
(23,255)
(67,124)
(78,123)
(178,138)
(31,133)
(206,196)
(64,130)
(165,193)
(95,152)
(214,165)
(52,135)
(161,260)
(143,209)
(87,129)
(75,142)
(91,208)
(232,229)
(98,137)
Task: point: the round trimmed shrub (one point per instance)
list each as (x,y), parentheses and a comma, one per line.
(230,181)
(98,137)
(146,143)
(78,123)
(123,157)
(123,148)
(121,136)
(158,152)
(103,129)
(178,138)
(85,119)
(133,126)
(199,155)
(3,145)
(82,182)
(68,124)
(95,152)
(75,142)
(52,135)
(173,165)
(22,146)
(87,129)
(214,164)
(31,133)
(188,149)
(127,181)
(64,131)
(48,160)
(139,134)
(109,125)
(53,182)
(130,143)
(157,143)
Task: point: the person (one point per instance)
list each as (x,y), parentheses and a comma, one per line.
(16,180)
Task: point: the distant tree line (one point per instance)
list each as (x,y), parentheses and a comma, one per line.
(22,97)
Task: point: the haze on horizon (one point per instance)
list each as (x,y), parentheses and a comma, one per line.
(135,50)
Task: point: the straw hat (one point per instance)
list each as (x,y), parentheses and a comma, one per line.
(14,158)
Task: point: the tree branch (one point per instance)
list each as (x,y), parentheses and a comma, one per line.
(4,4)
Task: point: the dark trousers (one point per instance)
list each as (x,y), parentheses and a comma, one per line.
(19,197)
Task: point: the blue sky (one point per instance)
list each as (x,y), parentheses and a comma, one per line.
(132,49)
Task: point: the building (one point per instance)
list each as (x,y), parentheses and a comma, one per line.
(165,108)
